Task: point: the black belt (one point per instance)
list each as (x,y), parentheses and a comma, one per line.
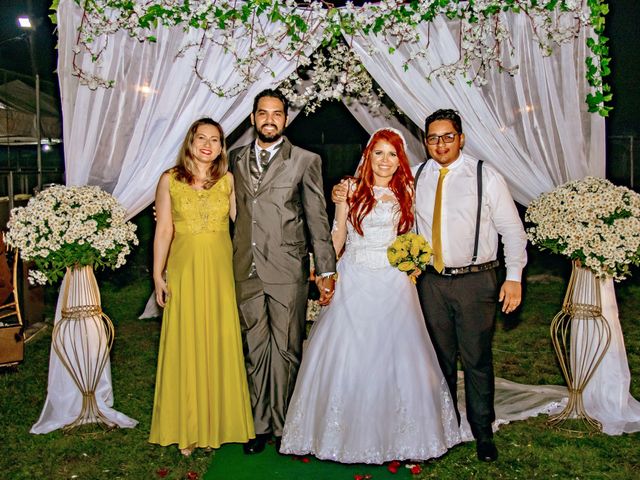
(450,271)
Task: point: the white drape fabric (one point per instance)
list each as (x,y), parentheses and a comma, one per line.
(383,117)
(123,138)
(64,401)
(533,127)
(606,397)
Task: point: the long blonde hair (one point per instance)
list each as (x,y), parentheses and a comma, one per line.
(185,170)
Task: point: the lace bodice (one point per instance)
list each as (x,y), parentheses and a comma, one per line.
(197,211)
(380,230)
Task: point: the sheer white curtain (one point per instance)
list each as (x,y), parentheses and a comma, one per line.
(383,117)
(535,129)
(606,397)
(532,127)
(123,138)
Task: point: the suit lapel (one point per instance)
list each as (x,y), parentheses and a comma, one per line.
(278,164)
(243,167)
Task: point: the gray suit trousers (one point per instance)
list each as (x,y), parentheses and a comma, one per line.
(272,318)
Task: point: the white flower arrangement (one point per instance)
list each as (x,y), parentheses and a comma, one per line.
(590,220)
(313,310)
(66,226)
(336,73)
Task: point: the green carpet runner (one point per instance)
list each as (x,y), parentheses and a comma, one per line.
(230,463)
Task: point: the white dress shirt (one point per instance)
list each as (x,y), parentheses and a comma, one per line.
(459,207)
(272,149)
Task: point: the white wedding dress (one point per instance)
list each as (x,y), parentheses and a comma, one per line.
(369,388)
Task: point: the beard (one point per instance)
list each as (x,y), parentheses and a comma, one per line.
(274,137)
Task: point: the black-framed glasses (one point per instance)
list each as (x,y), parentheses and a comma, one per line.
(446,138)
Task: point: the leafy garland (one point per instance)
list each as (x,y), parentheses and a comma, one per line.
(303,29)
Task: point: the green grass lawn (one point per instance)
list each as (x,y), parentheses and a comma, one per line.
(523,353)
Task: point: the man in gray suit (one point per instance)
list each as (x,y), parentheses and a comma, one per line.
(281,211)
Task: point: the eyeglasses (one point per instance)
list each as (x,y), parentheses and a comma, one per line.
(446,138)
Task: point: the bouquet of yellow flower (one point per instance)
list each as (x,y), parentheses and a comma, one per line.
(410,253)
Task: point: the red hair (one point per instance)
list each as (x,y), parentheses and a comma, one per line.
(362,201)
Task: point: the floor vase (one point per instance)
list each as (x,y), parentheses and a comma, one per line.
(82,339)
(581,337)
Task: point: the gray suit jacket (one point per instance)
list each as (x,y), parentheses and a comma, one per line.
(276,225)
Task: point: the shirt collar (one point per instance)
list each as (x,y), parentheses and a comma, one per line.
(271,149)
(435,166)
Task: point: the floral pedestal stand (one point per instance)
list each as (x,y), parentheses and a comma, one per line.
(82,340)
(581,337)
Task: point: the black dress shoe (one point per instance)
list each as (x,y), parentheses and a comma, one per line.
(278,442)
(255,445)
(486,450)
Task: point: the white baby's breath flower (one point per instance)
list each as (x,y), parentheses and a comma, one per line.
(36,277)
(66,226)
(590,220)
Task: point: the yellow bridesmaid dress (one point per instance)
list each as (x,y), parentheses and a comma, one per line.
(201,397)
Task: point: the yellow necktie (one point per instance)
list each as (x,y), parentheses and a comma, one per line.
(436,227)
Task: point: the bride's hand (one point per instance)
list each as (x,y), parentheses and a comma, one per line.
(339,191)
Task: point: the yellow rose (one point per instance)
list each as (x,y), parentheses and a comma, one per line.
(425,257)
(422,242)
(406,266)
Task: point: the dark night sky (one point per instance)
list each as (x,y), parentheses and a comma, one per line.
(624,49)
(622,30)
(14,44)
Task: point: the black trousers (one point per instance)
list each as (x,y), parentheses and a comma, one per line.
(460,315)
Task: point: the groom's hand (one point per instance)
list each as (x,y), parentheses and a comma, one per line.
(326,286)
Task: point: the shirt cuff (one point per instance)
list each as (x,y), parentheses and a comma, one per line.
(514,274)
(326,274)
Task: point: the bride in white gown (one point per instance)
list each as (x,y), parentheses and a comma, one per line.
(369,388)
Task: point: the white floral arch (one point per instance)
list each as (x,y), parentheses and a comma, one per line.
(533,126)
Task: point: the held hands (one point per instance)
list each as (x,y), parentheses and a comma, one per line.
(326,286)
(510,295)
(339,191)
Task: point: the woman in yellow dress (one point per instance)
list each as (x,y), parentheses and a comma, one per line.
(201,397)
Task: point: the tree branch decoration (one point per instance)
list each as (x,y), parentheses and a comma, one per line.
(296,30)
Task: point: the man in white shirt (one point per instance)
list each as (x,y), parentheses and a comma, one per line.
(459,293)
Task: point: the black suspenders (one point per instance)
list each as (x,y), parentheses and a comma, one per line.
(479,209)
